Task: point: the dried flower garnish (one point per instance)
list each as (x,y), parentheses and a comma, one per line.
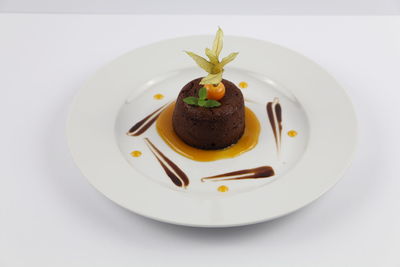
(213,66)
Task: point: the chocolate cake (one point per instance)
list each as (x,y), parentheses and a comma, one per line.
(210,128)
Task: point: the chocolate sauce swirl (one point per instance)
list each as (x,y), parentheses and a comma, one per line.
(177,176)
(144,124)
(255,173)
(274,112)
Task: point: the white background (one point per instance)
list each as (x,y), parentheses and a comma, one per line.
(50,215)
(242,7)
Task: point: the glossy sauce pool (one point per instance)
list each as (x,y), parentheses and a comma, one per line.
(247,142)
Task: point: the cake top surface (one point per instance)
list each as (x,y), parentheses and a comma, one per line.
(232,100)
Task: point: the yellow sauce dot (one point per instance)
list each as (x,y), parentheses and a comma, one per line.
(243,85)
(158,96)
(223,188)
(136,153)
(292,133)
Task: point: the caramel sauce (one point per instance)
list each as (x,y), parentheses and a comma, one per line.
(255,173)
(158,96)
(292,133)
(177,176)
(223,188)
(136,153)
(247,142)
(243,85)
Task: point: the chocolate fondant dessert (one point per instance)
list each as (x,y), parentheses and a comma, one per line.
(209,128)
(209,112)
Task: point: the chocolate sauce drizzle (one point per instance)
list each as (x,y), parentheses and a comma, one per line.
(142,126)
(255,173)
(274,112)
(177,176)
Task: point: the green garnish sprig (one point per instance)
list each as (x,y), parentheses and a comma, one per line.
(202,100)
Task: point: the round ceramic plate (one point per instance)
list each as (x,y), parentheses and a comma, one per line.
(305,166)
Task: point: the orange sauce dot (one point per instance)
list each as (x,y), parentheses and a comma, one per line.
(136,153)
(158,96)
(292,133)
(223,188)
(243,85)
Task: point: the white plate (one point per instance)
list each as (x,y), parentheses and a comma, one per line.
(121,93)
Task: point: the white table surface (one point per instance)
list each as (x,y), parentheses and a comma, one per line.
(51,216)
(228,7)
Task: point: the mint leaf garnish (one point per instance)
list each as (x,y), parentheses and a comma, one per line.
(191,100)
(202,100)
(212,103)
(202,93)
